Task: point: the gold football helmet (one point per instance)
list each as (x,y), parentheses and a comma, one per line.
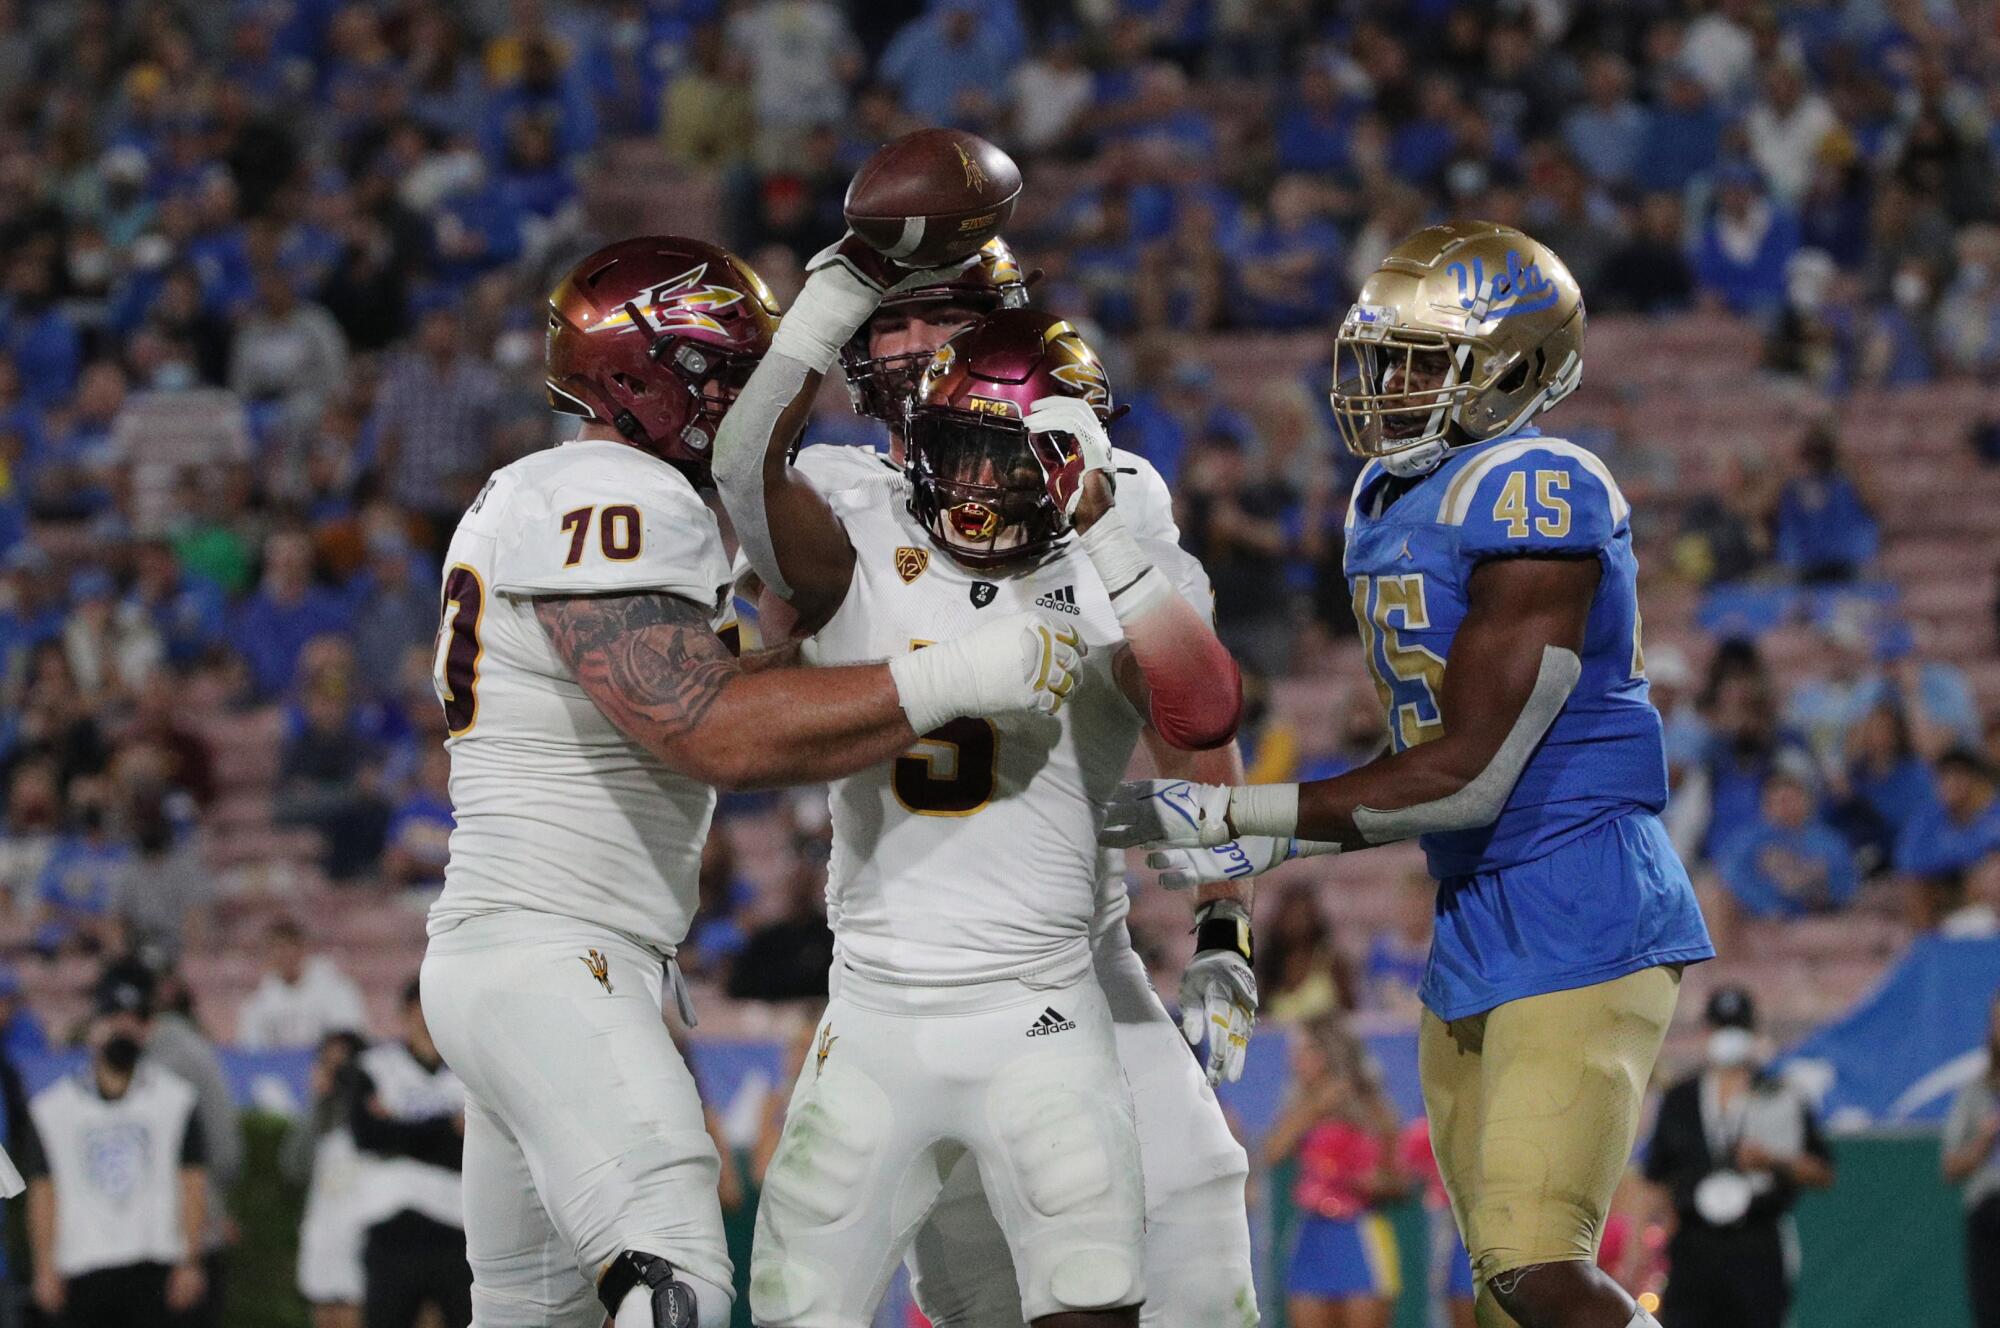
(1465,332)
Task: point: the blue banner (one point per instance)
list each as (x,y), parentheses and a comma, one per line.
(1899,1056)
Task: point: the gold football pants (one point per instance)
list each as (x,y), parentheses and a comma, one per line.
(1533,1107)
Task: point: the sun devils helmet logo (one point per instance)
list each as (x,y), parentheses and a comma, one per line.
(911,562)
(678,302)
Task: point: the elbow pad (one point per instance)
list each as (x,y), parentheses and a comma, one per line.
(1480,801)
(1197,705)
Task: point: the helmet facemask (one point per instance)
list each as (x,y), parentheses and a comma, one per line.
(713,378)
(882,387)
(979,485)
(1398,392)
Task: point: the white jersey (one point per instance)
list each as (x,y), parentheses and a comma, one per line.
(974,855)
(557,811)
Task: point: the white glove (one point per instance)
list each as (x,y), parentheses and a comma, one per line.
(1167,813)
(1234,860)
(1022,662)
(1219,995)
(881,273)
(1074,417)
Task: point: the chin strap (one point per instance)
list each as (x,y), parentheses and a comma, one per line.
(674,1304)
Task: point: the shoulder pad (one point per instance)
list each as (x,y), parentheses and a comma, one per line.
(608,525)
(1533,495)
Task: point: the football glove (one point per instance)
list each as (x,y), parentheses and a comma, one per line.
(1219,989)
(1234,860)
(882,274)
(1167,813)
(1074,417)
(1022,662)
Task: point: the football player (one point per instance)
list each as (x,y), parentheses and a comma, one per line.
(592,711)
(1197,1256)
(943,858)
(1493,579)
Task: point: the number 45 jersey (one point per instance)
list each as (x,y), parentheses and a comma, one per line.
(1575,882)
(557,811)
(973,856)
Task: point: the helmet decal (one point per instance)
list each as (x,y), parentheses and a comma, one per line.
(1087,377)
(678,303)
(1521,289)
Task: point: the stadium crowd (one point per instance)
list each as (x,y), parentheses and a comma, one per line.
(269,313)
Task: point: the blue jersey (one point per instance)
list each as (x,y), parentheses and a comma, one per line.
(1515,917)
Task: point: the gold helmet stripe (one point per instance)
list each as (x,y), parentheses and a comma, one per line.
(1458,495)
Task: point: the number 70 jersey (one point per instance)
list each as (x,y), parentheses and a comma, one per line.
(557,811)
(1410,556)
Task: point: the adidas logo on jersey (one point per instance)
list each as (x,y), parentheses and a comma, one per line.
(1061,599)
(1050,1022)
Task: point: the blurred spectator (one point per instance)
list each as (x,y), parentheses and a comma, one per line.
(1789,863)
(21,1031)
(1745,747)
(176,1043)
(949,63)
(79,882)
(1971,1148)
(1826,530)
(789,957)
(1287,266)
(188,614)
(163,890)
(110,646)
(1787,129)
(1743,244)
(1649,273)
(395,607)
(1882,785)
(1232,519)
(1302,972)
(289,356)
(1050,91)
(717,936)
(434,419)
(1608,130)
(1683,135)
(1968,317)
(802,56)
(1342,1130)
(709,120)
(329,778)
(34,809)
(303,998)
(1733,1147)
(319,1153)
(417,843)
(1962,825)
(408,1121)
(117,1196)
(1398,956)
(1971,910)
(272,627)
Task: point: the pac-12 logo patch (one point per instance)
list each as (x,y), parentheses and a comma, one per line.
(983,593)
(911,562)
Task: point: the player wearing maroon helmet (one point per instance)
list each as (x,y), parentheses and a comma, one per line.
(592,710)
(965,887)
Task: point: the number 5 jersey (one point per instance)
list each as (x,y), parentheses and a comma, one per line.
(557,811)
(1575,882)
(973,856)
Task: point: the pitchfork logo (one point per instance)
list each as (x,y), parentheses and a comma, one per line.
(680,303)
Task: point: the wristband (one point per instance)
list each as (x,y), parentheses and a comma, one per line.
(1134,584)
(1224,924)
(923,689)
(830,310)
(1265,809)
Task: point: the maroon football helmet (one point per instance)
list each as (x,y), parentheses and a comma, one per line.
(655,336)
(882,386)
(978,478)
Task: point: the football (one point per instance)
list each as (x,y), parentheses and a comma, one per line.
(932,197)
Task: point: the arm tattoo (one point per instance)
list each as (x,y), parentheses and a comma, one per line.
(648,659)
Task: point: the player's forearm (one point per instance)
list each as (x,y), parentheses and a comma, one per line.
(42,1224)
(194,1210)
(1193,689)
(797,726)
(791,536)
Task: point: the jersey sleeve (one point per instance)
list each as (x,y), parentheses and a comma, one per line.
(1189,577)
(1144,498)
(829,467)
(605,530)
(1543,497)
